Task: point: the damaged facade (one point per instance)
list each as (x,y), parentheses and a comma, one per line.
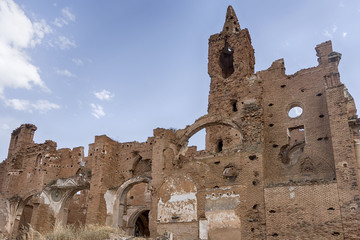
(281,161)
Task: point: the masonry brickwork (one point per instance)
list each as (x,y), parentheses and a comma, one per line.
(281,161)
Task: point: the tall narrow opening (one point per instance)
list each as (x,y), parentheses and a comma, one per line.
(142,225)
(227,61)
(234,106)
(38,160)
(220,145)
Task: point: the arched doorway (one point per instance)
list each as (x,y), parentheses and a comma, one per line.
(141,226)
(128,204)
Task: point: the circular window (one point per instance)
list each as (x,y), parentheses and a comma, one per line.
(295,112)
(56,195)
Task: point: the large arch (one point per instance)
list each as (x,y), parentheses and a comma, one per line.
(59,195)
(201,123)
(121,193)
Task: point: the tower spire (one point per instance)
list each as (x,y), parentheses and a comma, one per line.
(231,24)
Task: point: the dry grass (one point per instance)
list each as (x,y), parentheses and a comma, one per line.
(88,232)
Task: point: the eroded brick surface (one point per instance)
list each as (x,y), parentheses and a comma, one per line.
(281,161)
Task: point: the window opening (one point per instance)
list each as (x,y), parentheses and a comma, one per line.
(295,112)
(291,152)
(234,106)
(220,146)
(296,135)
(38,160)
(227,61)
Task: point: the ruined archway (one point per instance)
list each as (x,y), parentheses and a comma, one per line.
(138,223)
(16,215)
(66,196)
(205,122)
(59,195)
(23,216)
(120,201)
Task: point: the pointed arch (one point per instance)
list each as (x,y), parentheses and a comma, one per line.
(121,193)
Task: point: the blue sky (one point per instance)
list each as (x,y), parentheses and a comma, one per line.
(82,68)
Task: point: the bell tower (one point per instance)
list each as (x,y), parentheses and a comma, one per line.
(231,64)
(231,58)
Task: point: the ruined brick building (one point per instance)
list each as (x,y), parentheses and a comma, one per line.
(265,173)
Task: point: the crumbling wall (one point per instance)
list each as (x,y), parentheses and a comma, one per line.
(35,166)
(311,157)
(3,215)
(78,209)
(112,164)
(282,161)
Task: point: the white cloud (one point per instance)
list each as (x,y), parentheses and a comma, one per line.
(65,43)
(78,61)
(17,34)
(67,16)
(65,73)
(44,105)
(104,95)
(40,29)
(344,34)
(97,110)
(59,22)
(19,104)
(41,106)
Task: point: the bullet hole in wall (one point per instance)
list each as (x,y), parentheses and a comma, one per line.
(252,157)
